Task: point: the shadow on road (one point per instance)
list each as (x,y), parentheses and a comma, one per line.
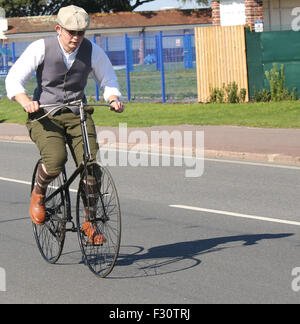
(135,262)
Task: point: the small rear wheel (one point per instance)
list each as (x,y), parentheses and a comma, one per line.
(98,204)
(50,236)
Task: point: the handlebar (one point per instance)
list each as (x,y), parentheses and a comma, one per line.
(60,106)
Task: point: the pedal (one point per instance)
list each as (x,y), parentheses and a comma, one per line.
(71,229)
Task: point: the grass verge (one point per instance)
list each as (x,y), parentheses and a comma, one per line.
(270,115)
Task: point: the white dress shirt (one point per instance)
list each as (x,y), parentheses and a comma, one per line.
(24,68)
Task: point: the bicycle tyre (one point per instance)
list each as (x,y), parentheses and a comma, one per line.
(100,259)
(50,236)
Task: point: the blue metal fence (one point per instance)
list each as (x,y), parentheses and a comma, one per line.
(7,57)
(153,68)
(160,67)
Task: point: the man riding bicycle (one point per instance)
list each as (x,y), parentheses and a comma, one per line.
(62,64)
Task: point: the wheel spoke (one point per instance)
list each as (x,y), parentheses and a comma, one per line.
(104,215)
(51,235)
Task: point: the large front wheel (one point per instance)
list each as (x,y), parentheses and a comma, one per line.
(98,206)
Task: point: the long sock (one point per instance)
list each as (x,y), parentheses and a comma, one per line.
(43,180)
(90,198)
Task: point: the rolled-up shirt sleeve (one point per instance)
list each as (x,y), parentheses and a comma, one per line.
(104,74)
(24,68)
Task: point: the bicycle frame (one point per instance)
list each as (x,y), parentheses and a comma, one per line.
(65,188)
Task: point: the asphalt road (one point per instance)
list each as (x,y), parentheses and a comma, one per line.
(229,236)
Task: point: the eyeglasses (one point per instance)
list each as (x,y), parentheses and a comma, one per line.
(75,32)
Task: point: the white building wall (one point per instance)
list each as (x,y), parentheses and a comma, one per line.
(232,12)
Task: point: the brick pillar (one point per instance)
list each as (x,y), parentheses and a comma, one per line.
(215,6)
(254,11)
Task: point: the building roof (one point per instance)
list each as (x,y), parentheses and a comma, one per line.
(103,22)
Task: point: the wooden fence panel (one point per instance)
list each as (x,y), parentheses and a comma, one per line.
(221,58)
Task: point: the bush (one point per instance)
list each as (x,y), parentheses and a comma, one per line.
(217,95)
(229,94)
(263,95)
(278,90)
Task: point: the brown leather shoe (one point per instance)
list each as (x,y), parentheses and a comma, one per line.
(91,233)
(37,208)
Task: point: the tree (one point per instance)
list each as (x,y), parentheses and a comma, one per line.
(20,8)
(204,2)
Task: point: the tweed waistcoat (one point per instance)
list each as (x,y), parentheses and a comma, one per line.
(57,84)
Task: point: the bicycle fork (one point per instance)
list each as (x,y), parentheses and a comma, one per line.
(85,137)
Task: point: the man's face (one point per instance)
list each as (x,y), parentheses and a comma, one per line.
(69,39)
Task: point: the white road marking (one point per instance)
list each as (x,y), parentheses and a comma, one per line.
(206,210)
(219,160)
(24,182)
(15,180)
(223,212)
(15,142)
(269,165)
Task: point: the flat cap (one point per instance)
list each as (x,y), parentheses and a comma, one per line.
(73,18)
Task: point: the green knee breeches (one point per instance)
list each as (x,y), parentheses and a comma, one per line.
(53,132)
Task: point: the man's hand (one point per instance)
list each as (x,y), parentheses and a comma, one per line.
(117,106)
(31,106)
(28,105)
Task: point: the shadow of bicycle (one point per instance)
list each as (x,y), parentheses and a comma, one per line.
(134,261)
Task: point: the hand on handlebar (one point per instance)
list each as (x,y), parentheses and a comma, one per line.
(27,103)
(31,106)
(117,106)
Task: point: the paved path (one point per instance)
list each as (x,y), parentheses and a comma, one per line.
(256,144)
